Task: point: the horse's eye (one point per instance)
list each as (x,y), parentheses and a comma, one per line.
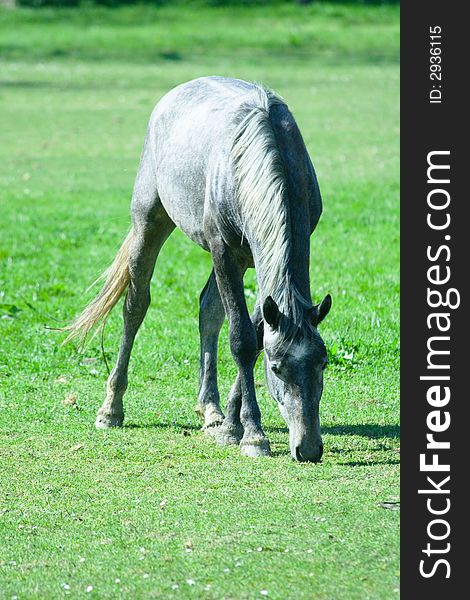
(274,367)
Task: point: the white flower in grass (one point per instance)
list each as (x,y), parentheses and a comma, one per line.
(175,586)
(89,589)
(190,581)
(264,592)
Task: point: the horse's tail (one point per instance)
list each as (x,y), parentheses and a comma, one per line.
(117,280)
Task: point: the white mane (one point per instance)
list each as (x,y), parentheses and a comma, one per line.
(262,192)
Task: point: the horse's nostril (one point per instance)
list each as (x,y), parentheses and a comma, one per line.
(306,458)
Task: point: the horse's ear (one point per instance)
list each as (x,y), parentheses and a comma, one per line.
(319,311)
(271,312)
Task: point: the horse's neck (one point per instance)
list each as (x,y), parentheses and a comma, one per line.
(288,255)
(286,279)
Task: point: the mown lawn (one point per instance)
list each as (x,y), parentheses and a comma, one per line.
(156,509)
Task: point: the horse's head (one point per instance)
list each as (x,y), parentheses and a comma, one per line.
(294,368)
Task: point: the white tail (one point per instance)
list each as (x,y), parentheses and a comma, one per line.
(117,280)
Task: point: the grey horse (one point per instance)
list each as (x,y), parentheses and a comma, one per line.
(225,162)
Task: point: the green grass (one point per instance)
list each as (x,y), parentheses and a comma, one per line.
(156,503)
(142,33)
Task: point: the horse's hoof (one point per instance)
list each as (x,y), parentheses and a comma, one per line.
(213,417)
(228,436)
(107,421)
(255,447)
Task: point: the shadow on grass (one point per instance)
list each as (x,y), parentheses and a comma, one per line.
(182,426)
(345,463)
(371,431)
(368,463)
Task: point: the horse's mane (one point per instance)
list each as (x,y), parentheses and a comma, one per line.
(262,192)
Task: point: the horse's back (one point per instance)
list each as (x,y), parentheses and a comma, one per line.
(190,134)
(189,141)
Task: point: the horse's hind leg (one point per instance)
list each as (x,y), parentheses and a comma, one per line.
(211,318)
(149,235)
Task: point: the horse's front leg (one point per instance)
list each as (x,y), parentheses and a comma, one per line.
(243,344)
(211,318)
(231,432)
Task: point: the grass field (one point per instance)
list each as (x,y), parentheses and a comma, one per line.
(156,509)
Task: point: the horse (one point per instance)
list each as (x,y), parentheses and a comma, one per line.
(224,161)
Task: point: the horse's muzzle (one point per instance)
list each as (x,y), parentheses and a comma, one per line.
(312,454)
